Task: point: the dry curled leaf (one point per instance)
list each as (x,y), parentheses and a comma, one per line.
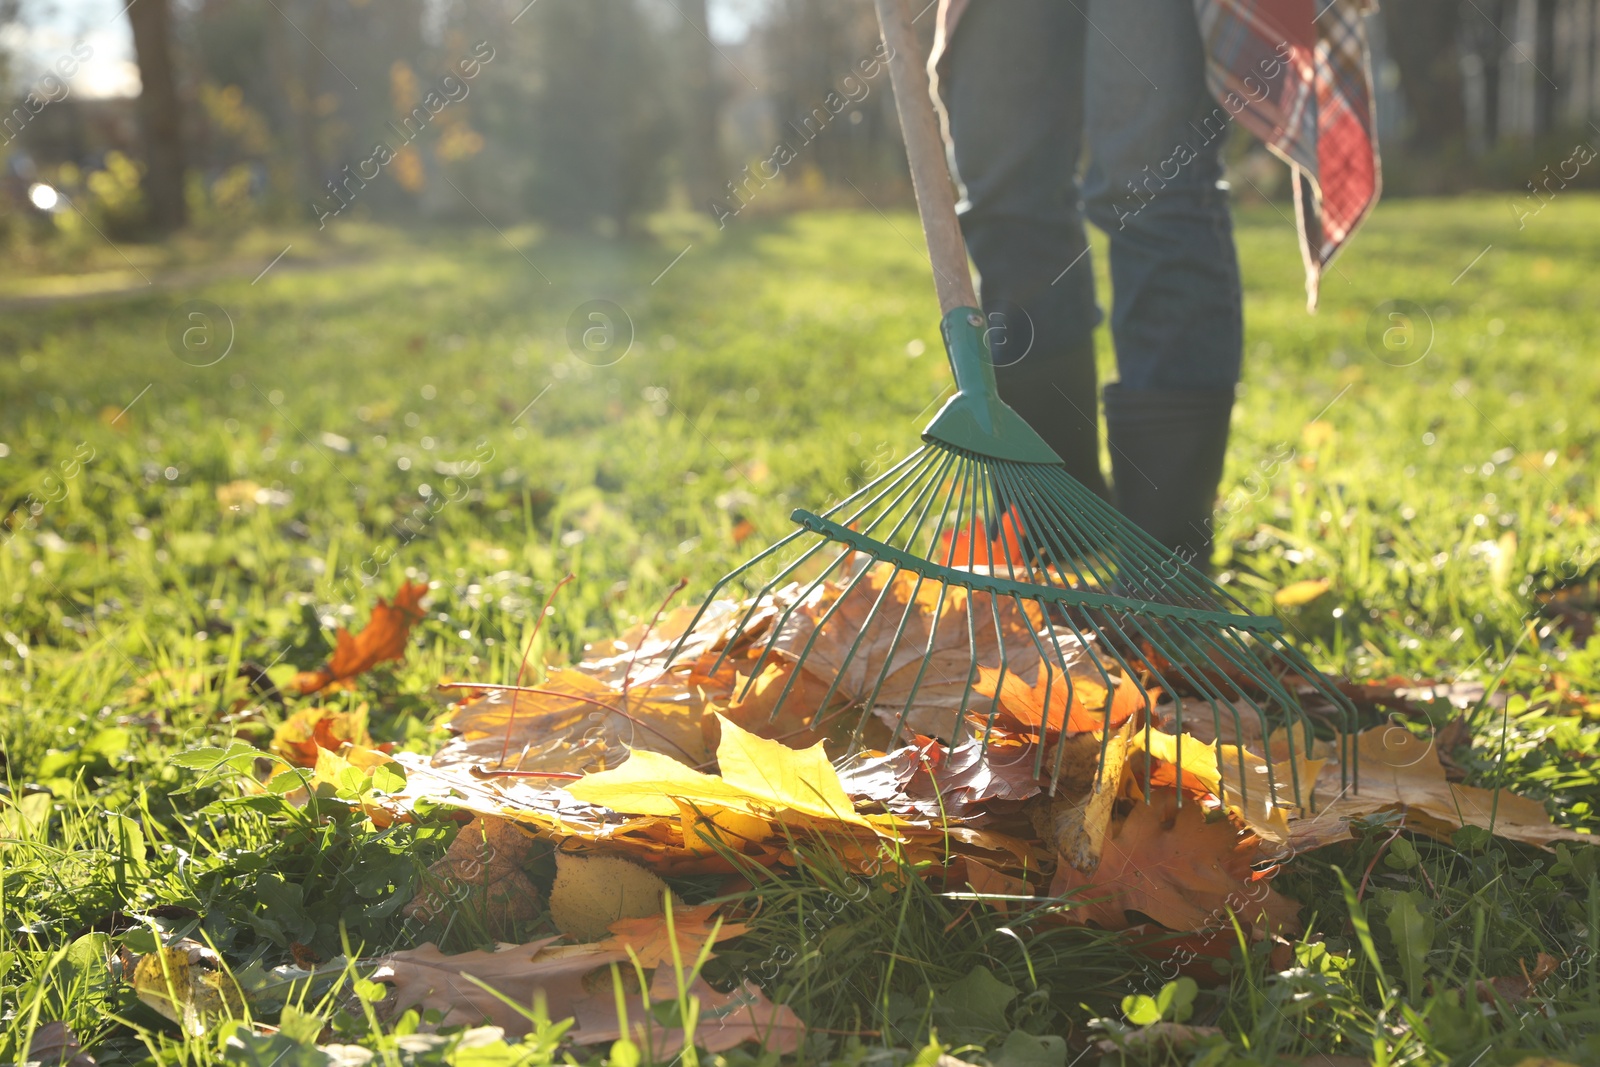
(187,983)
(783,703)
(382,639)
(1091,781)
(1516,988)
(951,782)
(573,721)
(887,634)
(1398,771)
(651,943)
(996,885)
(426,979)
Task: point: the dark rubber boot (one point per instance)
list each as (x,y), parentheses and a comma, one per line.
(1167,450)
(1055,393)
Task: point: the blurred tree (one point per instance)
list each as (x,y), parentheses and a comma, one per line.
(1488,43)
(160,116)
(604,126)
(1422,39)
(1544,60)
(703,167)
(841,124)
(10,15)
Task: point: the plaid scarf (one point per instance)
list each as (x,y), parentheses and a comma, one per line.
(1299,78)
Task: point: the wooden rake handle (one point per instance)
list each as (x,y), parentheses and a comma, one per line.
(930,178)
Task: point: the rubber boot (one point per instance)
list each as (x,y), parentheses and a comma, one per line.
(1167,450)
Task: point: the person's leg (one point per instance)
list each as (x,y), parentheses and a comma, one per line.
(1154,185)
(1013,92)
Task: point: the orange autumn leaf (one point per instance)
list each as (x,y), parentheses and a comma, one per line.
(1170,864)
(1025,704)
(299,738)
(382,639)
(975,546)
(651,944)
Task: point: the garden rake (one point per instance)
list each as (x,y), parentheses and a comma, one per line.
(984,518)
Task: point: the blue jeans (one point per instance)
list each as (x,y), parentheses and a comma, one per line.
(1029,86)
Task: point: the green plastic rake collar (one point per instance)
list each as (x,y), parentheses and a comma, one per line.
(976,419)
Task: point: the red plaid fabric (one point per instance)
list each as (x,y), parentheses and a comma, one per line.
(1296,74)
(1299,77)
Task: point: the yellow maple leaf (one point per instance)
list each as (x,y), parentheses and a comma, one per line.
(759,777)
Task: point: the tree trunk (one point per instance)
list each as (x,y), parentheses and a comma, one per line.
(1421,35)
(703,170)
(160,117)
(1491,49)
(1544,58)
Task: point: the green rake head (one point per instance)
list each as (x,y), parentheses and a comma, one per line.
(1073,592)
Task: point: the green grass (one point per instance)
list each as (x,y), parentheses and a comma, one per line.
(770,368)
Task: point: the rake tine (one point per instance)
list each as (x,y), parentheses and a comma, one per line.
(1346,708)
(1090,646)
(1050,528)
(972,629)
(1247,662)
(926,489)
(816,632)
(894,473)
(938,611)
(888,661)
(911,603)
(1252,663)
(926,499)
(899,633)
(1066,674)
(1047,527)
(1108,623)
(756,601)
(1212,695)
(722,583)
(1253,666)
(783,620)
(897,472)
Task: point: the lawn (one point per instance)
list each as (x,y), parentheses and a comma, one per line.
(428,405)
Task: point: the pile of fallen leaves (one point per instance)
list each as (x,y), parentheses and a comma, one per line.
(667,752)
